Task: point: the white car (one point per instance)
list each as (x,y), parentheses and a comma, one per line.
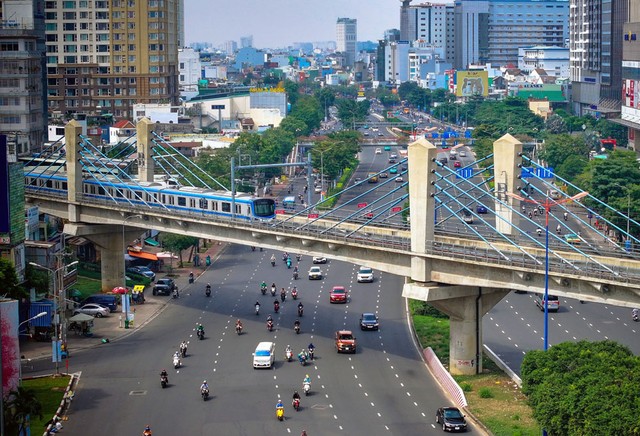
(399,179)
(317,189)
(93,310)
(365,274)
(319,259)
(462,153)
(315,273)
(378,151)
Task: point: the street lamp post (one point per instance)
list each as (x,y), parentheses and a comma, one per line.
(58,292)
(547,204)
(124,271)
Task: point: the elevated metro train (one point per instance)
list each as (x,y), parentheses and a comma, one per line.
(157,195)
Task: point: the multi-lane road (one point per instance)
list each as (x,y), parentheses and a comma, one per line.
(383,389)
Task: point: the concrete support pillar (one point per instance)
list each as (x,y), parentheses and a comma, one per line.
(72,132)
(507,155)
(111,250)
(422,176)
(145,161)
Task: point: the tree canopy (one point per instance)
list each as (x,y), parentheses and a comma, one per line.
(584,388)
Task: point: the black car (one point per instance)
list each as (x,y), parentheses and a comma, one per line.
(451,419)
(164,286)
(369,321)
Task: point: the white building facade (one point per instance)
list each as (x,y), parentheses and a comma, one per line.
(347,38)
(554,60)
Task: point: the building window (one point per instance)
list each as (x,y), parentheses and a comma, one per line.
(68,5)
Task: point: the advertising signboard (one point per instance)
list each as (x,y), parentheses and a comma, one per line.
(470,83)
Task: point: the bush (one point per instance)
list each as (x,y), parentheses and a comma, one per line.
(466,387)
(485,393)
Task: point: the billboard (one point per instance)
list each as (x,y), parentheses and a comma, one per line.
(469,83)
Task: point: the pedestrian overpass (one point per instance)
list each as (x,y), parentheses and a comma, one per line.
(420,228)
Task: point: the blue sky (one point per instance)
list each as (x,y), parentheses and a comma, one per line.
(278,23)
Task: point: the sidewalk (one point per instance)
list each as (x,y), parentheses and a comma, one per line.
(112,327)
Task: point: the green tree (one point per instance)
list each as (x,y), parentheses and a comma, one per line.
(555,124)
(572,167)
(177,243)
(558,148)
(584,388)
(295,126)
(308,110)
(9,280)
(18,407)
(292,90)
(351,111)
(612,130)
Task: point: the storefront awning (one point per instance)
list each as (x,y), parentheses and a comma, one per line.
(151,242)
(143,255)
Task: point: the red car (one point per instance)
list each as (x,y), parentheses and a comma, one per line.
(338,295)
(457,164)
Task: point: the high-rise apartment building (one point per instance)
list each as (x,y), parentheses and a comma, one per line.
(23,115)
(246,41)
(630,111)
(431,23)
(596,41)
(492,31)
(105,56)
(230,47)
(346,38)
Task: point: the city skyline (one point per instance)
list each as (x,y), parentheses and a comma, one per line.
(280,23)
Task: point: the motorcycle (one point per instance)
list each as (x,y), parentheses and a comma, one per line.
(288,262)
(191,278)
(306,387)
(294,294)
(280,413)
(300,311)
(208,292)
(296,404)
(302,359)
(276,307)
(273,291)
(270,325)
(183,350)
(164,381)
(283,296)
(176,362)
(200,334)
(298,257)
(295,275)
(297,329)
(635,315)
(205,394)
(257,309)
(263,289)
(311,351)
(239,330)
(176,294)
(273,263)
(288,354)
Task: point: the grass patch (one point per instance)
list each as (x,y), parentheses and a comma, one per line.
(494,399)
(88,286)
(49,391)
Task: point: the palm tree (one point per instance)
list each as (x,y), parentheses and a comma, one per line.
(21,404)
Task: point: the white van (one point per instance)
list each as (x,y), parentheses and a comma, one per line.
(264,356)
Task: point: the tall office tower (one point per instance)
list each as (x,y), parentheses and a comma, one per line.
(392,35)
(181,38)
(492,31)
(106,56)
(471,37)
(246,41)
(407,25)
(23,93)
(630,111)
(595,46)
(230,47)
(434,24)
(346,38)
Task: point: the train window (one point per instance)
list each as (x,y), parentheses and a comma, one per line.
(214,205)
(171,199)
(64,185)
(226,207)
(239,209)
(164,199)
(182,201)
(204,204)
(49,184)
(192,203)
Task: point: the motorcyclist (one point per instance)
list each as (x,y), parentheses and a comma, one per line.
(238,324)
(634,314)
(273,289)
(302,354)
(300,308)
(257,306)
(276,306)
(311,349)
(566,216)
(164,375)
(288,262)
(273,260)
(191,277)
(183,349)
(204,386)
(288,349)
(208,289)
(283,294)
(295,269)
(294,292)
(306,379)
(296,323)
(279,405)
(269,318)
(200,330)
(147,431)
(263,285)
(296,396)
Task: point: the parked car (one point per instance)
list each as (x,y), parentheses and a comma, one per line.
(109,301)
(365,274)
(92,309)
(143,271)
(369,321)
(554,302)
(338,294)
(315,273)
(451,419)
(345,341)
(164,286)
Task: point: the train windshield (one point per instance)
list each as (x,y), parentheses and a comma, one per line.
(264,207)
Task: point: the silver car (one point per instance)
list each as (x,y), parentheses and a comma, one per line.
(365,274)
(93,310)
